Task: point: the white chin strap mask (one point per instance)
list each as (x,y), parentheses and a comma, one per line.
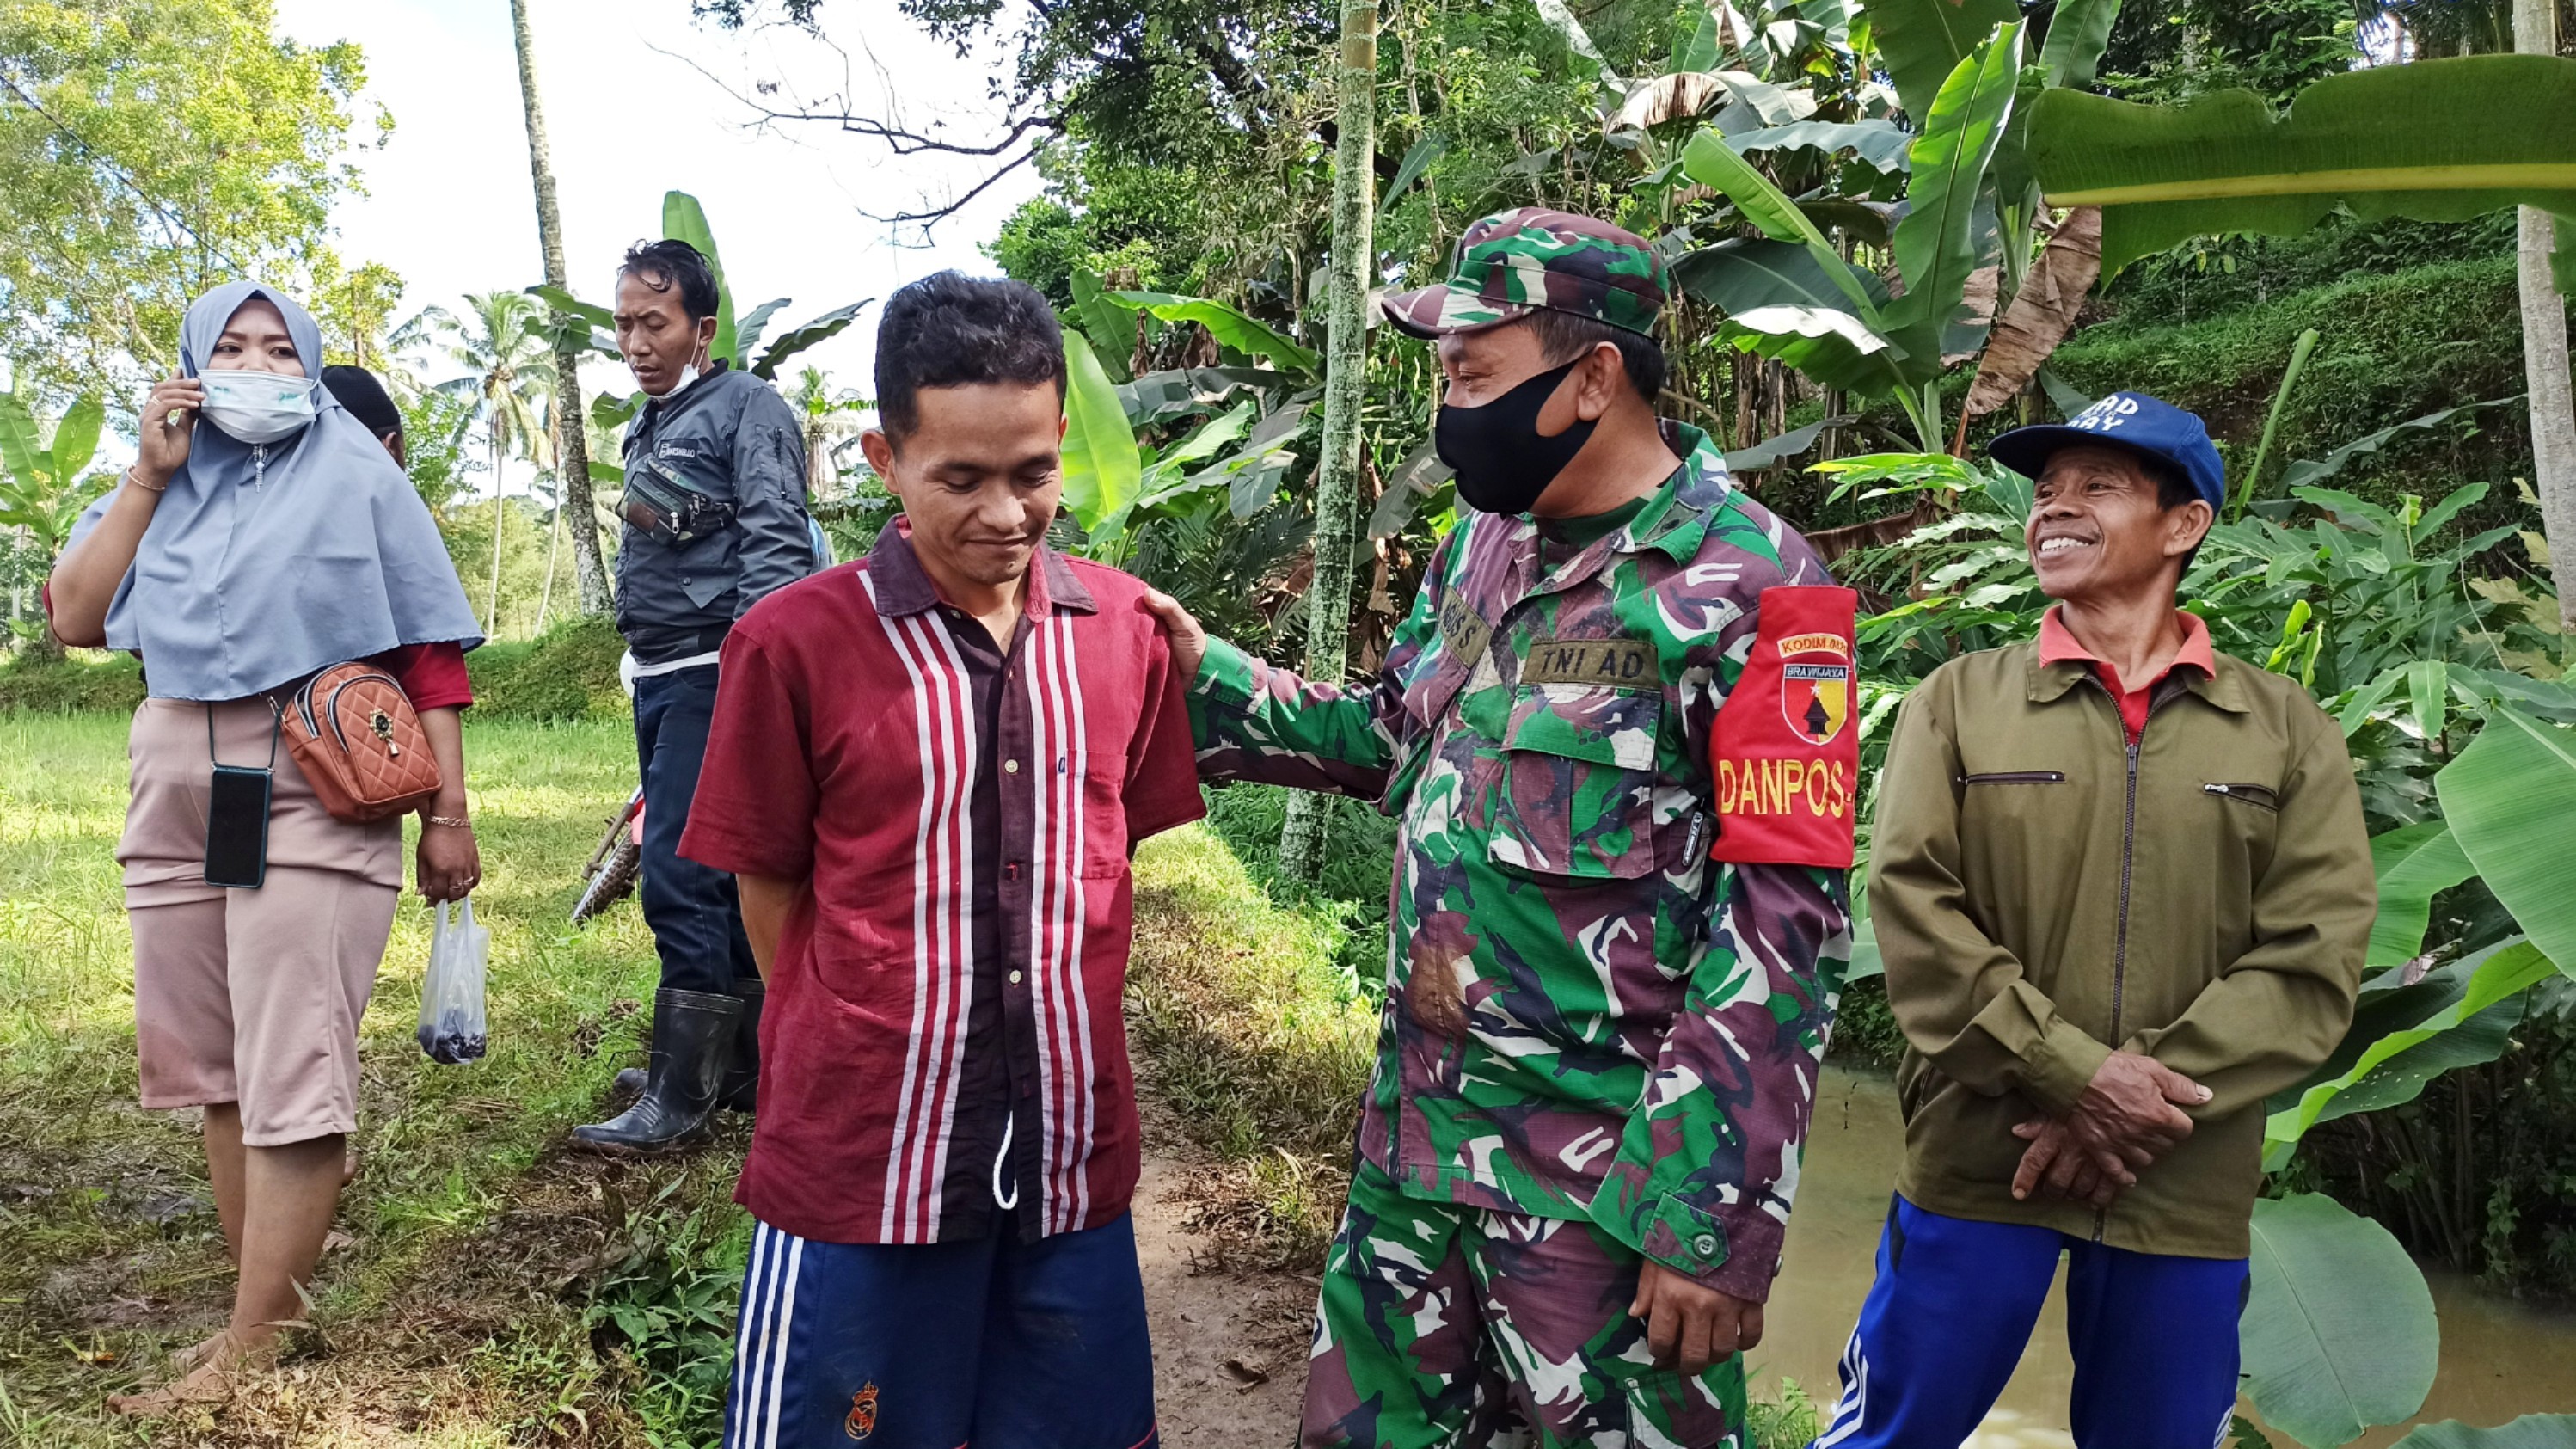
(257,407)
(688,374)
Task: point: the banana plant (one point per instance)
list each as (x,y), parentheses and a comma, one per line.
(589,327)
(44,470)
(1803,303)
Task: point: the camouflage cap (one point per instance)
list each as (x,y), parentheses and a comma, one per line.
(1521,261)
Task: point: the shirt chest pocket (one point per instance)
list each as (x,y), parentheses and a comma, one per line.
(1577,793)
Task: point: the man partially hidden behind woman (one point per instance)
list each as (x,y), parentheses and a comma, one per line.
(263,535)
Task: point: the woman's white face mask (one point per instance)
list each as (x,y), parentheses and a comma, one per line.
(257,407)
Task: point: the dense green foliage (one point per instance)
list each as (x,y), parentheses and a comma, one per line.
(152,148)
(567,673)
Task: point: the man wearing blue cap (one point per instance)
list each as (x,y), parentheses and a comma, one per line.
(2122,888)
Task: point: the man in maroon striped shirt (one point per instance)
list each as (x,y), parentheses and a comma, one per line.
(927,770)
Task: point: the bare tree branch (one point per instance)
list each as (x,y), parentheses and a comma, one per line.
(933,217)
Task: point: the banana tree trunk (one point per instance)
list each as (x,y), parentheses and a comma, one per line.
(1328,598)
(2544,356)
(572,447)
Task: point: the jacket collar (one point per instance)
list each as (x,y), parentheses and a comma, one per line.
(2048,680)
(904,587)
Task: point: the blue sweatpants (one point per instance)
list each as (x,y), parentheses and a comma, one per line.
(993,1343)
(2153,1337)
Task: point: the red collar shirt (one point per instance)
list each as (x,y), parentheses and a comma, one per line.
(2057,642)
(858,723)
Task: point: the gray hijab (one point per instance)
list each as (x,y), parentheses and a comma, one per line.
(261,566)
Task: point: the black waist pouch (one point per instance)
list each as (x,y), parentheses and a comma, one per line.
(668,509)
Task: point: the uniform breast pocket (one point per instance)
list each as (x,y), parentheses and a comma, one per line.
(1578,784)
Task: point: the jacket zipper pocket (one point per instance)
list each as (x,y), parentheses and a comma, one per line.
(2016,777)
(2260,795)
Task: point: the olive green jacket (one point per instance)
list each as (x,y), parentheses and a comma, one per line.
(2043,891)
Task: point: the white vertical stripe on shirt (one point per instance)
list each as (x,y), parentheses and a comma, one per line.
(948,1075)
(921,886)
(1077,789)
(1042,870)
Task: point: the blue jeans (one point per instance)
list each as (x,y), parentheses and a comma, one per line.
(695,915)
(2154,1337)
(991,1342)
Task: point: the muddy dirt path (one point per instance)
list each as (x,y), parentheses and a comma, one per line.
(1229,1347)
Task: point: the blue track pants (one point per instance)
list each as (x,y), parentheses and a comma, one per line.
(991,1343)
(2154,1337)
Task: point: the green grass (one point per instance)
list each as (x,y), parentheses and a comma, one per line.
(499,1291)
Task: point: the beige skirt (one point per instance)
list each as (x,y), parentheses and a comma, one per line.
(250,996)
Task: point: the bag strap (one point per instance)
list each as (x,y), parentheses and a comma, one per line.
(276,723)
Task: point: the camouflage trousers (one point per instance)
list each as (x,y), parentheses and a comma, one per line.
(1442,1326)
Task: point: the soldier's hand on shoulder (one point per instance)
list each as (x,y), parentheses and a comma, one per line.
(1189,641)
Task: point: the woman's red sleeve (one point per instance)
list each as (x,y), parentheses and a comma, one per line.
(433,675)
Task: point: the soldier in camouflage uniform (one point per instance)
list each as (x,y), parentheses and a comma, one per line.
(1599,1048)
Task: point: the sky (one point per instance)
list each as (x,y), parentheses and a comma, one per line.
(637,104)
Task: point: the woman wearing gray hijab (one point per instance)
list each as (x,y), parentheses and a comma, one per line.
(263,535)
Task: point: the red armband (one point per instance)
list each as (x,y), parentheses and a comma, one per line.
(1785,757)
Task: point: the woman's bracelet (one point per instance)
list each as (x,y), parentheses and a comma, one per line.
(137,480)
(452,822)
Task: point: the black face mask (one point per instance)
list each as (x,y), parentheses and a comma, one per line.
(1502,461)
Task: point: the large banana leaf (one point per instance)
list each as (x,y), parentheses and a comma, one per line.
(76,438)
(2338,1333)
(806,334)
(2509,797)
(1110,329)
(2312,470)
(22,449)
(2438,140)
(2531,1431)
(2077,35)
(1879,143)
(1935,245)
(1922,41)
(1101,470)
(2395,1068)
(1229,327)
(1709,161)
(2414,863)
(1740,274)
(684,219)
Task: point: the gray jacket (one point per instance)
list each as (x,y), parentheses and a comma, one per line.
(730,436)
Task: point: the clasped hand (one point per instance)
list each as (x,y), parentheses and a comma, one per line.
(2130,1115)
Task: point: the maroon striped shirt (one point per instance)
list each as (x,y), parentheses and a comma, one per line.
(847,746)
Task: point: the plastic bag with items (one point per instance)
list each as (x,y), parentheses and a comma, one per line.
(451,1000)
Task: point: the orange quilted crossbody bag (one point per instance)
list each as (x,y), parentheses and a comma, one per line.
(361,745)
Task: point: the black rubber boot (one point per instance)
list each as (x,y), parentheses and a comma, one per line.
(741,1088)
(693,1038)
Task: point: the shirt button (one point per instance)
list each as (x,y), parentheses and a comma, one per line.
(1015,978)
(1705,1244)
(1010,767)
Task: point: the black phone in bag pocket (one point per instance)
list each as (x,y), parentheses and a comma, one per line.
(237,827)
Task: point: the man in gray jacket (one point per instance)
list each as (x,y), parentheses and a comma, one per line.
(715,519)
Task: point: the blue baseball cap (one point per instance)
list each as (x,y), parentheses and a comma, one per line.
(2131,420)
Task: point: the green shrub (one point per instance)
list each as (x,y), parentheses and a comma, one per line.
(82,680)
(568,672)
(1359,862)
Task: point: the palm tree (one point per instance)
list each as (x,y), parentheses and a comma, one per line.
(503,346)
(828,419)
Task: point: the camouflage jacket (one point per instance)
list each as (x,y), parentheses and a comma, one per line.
(1585,1017)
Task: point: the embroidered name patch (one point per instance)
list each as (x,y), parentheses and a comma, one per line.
(1594,663)
(1462,633)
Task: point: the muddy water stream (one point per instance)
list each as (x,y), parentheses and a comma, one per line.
(2499,1359)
